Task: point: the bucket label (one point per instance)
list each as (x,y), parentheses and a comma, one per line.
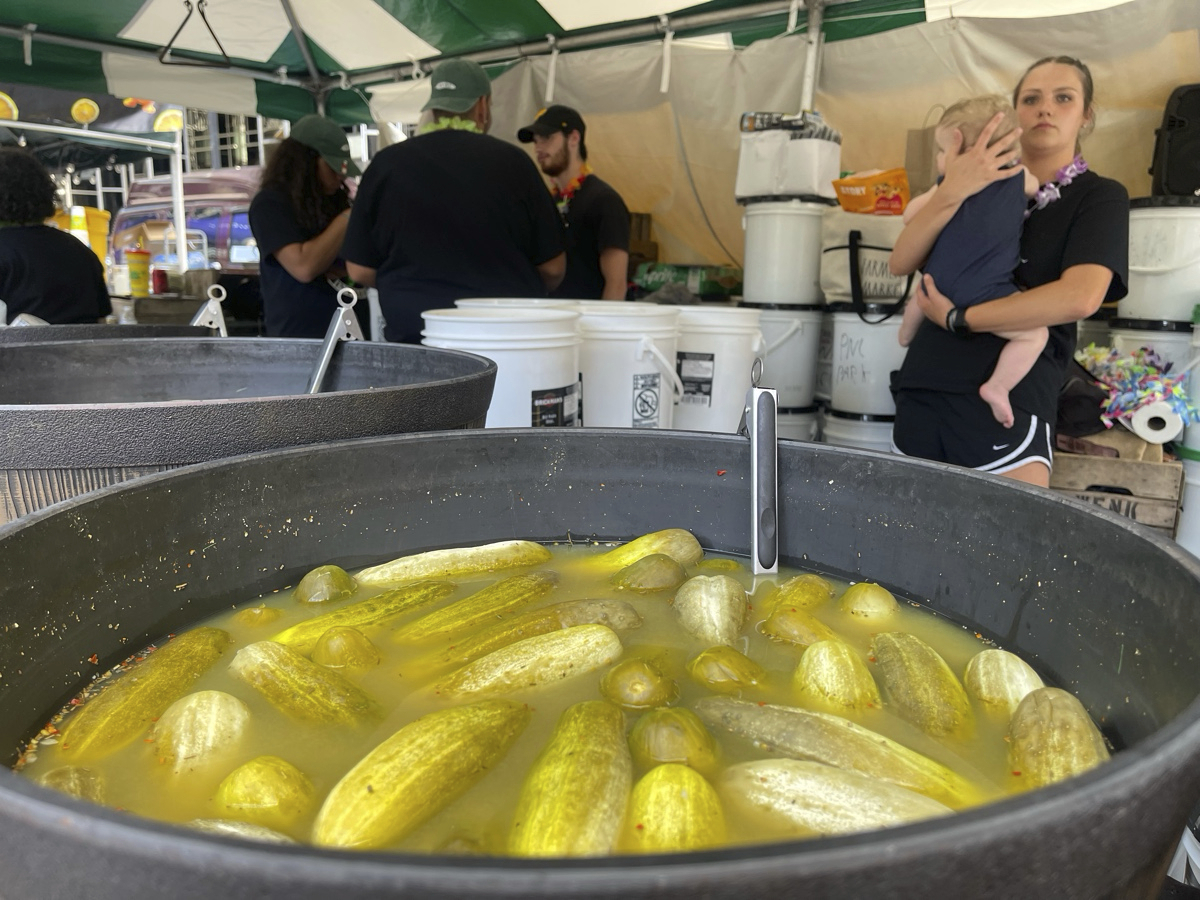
(696,372)
(646,398)
(556,407)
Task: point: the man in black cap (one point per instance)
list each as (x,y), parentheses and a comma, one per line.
(595,215)
(452,212)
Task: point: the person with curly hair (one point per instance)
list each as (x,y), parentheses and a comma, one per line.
(299,219)
(43,271)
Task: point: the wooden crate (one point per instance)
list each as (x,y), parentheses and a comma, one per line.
(1146,492)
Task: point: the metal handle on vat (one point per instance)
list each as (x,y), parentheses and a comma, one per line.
(343,327)
(759,424)
(210,315)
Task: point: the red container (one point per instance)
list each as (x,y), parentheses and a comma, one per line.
(159,284)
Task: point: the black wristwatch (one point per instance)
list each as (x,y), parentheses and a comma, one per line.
(956,322)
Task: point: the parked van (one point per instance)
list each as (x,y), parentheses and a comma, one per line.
(217,205)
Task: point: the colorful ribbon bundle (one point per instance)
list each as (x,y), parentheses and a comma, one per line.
(1136,380)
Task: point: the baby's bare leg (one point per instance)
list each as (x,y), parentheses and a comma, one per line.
(1016,359)
(910,322)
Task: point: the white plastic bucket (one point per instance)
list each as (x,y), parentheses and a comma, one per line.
(1170,340)
(864,355)
(1092,331)
(1164,260)
(792,337)
(799,424)
(842,429)
(825,359)
(1187,532)
(536,352)
(714,358)
(783,252)
(627,364)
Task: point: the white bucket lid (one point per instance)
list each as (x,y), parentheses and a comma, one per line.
(787,207)
(623,317)
(486,324)
(538,302)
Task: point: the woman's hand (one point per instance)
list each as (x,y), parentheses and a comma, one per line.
(933,302)
(969,172)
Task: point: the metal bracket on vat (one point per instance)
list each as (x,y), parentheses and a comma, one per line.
(759,424)
(210,314)
(343,327)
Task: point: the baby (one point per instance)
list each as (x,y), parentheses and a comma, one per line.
(973,259)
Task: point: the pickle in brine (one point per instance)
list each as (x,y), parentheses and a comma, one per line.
(1000,680)
(673,808)
(346,649)
(127,707)
(77,781)
(920,686)
(832,675)
(257,616)
(811,799)
(365,614)
(266,791)
(796,626)
(676,543)
(299,687)
(867,601)
(808,735)
(674,735)
(458,561)
(574,798)
(416,772)
(712,608)
(1051,737)
(723,669)
(806,591)
(615,614)
(198,728)
(534,662)
(638,684)
(488,604)
(244,830)
(325,584)
(650,574)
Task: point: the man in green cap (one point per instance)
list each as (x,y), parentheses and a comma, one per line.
(453,212)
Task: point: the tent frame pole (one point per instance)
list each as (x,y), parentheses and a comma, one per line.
(177,208)
(812,52)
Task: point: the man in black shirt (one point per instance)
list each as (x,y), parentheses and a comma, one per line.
(595,215)
(452,212)
(43,271)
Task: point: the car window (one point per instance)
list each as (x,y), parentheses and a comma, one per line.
(243,248)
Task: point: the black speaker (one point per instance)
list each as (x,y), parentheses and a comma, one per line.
(1176,166)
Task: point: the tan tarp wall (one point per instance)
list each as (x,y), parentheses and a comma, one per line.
(674,155)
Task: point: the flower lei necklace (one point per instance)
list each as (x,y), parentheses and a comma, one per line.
(562,198)
(1052,190)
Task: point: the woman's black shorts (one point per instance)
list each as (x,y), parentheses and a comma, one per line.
(960,429)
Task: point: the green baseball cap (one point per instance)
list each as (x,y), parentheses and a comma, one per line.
(327,138)
(456,85)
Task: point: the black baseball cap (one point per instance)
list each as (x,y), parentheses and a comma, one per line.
(552,120)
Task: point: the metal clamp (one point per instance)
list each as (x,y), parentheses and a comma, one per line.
(210,314)
(343,327)
(759,424)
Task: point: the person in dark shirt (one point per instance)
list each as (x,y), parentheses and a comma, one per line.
(299,219)
(595,215)
(452,212)
(43,271)
(1074,257)
(974,257)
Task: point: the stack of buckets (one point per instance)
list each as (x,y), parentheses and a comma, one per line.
(781,279)
(607,364)
(1160,312)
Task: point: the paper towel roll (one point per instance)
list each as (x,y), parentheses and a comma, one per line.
(1156,423)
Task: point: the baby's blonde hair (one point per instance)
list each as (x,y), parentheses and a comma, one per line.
(971,115)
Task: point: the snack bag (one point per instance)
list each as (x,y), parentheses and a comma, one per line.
(877,191)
